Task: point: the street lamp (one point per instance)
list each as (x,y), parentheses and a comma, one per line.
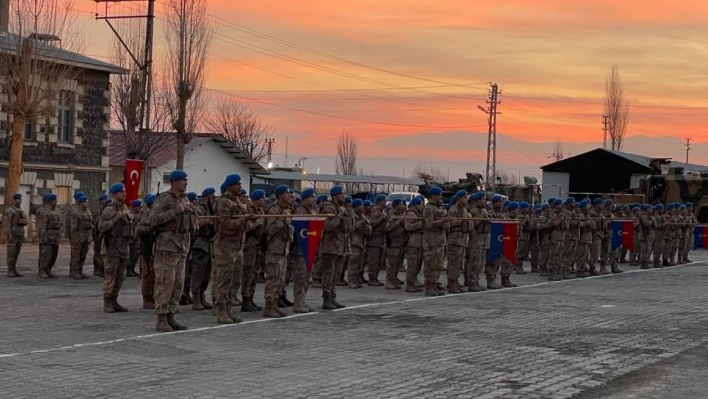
(270,165)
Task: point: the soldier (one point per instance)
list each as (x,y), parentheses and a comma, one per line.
(362,231)
(682,234)
(368,207)
(414,244)
(396,231)
(81,229)
(570,237)
(478,242)
(503,264)
(606,214)
(135,206)
(534,241)
(98,238)
(315,273)
(659,235)
(117,226)
(646,235)
(669,234)
(434,224)
(375,245)
(200,253)
(597,236)
(522,250)
(332,246)
(544,238)
(457,241)
(15,221)
(49,229)
(691,222)
(252,249)
(185,298)
(301,278)
(279,235)
(586,228)
(146,235)
(626,213)
(557,224)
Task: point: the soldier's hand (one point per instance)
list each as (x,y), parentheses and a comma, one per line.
(179,209)
(254,217)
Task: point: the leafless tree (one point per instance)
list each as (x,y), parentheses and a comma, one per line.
(346,155)
(429,173)
(507,178)
(188,34)
(240,125)
(616,107)
(31,80)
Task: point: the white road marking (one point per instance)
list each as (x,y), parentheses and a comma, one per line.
(296,315)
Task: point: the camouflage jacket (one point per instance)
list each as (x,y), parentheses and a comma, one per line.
(598,231)
(378,228)
(80,225)
(646,226)
(414,229)
(255,233)
(396,228)
(362,230)
(50,227)
(659,225)
(572,224)
(433,226)
(586,227)
(524,227)
(15,221)
(172,230)
(279,231)
(230,232)
(459,229)
(206,230)
(333,240)
(556,221)
(117,224)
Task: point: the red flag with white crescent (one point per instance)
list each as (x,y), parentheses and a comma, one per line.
(133,173)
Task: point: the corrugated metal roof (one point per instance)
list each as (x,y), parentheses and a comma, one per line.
(283,175)
(9,43)
(639,160)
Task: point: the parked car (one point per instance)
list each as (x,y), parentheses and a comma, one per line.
(407,197)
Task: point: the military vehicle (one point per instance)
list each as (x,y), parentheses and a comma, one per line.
(471,184)
(529,191)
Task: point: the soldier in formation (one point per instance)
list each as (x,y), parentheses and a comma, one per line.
(15,220)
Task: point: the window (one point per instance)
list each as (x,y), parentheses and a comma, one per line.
(29,130)
(166,179)
(65,123)
(63,195)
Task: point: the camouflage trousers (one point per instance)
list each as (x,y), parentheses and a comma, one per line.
(169,280)
(227,268)
(658,250)
(114,274)
(375,259)
(555,253)
(455,263)
(568,253)
(300,276)
(345,266)
(543,253)
(582,253)
(614,256)
(595,249)
(251,268)
(14,247)
(680,248)
(689,245)
(47,256)
(432,263)
(668,245)
(605,250)
(147,277)
(97,257)
(474,261)
(134,254)
(200,263)
(521,251)
(79,250)
(329,266)
(316,268)
(414,260)
(635,254)
(289,269)
(275,265)
(356,264)
(645,250)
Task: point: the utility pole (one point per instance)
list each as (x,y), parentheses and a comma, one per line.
(269,143)
(301,162)
(286,151)
(605,129)
(491,111)
(688,147)
(556,156)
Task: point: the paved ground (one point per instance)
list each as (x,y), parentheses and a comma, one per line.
(604,336)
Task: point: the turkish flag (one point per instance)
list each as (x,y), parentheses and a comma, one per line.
(131,179)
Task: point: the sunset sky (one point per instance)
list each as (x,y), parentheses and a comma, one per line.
(420,68)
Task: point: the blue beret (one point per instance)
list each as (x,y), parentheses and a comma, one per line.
(557,201)
(136,203)
(435,191)
(307,193)
(477,196)
(336,190)
(116,188)
(368,203)
(347,200)
(506,203)
(626,207)
(177,174)
(380,198)
(551,200)
(545,206)
(670,206)
(682,207)
(78,195)
(222,188)
(453,199)
(659,207)
(357,202)
(398,201)
(597,201)
(497,198)
(513,205)
(569,201)
(208,191)
(617,208)
(257,194)
(689,205)
(415,201)
(17,196)
(636,205)
(646,206)
(281,189)
(192,196)
(102,197)
(242,192)
(109,201)
(607,202)
(231,180)
(421,198)
(52,197)
(635,209)
(322,198)
(150,199)
(388,208)
(524,205)
(45,197)
(446,206)
(82,199)
(461,193)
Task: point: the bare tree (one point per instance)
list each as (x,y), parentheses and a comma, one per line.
(31,80)
(429,173)
(346,155)
(616,107)
(245,129)
(188,34)
(507,178)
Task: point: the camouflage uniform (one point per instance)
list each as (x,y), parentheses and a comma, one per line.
(522,249)
(669,237)
(680,242)
(97,241)
(360,235)
(544,242)
(134,250)
(598,236)
(228,254)
(375,245)
(433,244)
(557,222)
(147,261)
(49,229)
(200,256)
(477,249)
(301,276)
(692,221)
(606,238)
(15,221)
(457,245)
(582,252)
(332,249)
(279,235)
(80,232)
(252,255)
(117,226)
(570,241)
(659,239)
(646,238)
(414,249)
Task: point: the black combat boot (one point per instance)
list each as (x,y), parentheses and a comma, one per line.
(280,304)
(255,305)
(520,269)
(286,302)
(615,269)
(506,282)
(230,313)
(335,303)
(327,301)
(162,325)
(173,323)
(553,276)
(206,304)
(116,305)
(593,271)
(492,284)
(131,272)
(603,270)
(246,305)
(108,304)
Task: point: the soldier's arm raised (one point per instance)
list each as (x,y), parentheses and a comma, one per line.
(274,225)
(332,222)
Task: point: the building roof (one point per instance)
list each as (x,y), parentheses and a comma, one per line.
(640,160)
(165,145)
(9,43)
(363,179)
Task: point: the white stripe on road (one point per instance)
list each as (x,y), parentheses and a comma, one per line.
(296,315)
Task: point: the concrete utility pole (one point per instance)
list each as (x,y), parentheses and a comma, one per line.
(286,152)
(688,147)
(605,129)
(269,143)
(491,111)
